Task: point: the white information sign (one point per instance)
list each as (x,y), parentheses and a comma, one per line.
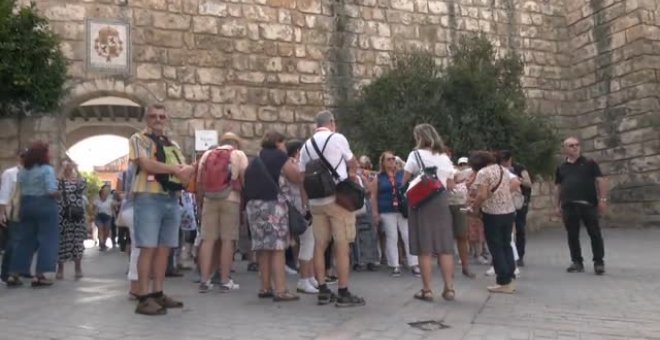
(204,139)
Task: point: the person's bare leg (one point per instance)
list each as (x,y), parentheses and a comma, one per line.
(277,271)
(464,254)
(306,269)
(342,263)
(426,268)
(160,267)
(226,260)
(78,267)
(60,271)
(205,258)
(319,261)
(145,261)
(447,268)
(264,268)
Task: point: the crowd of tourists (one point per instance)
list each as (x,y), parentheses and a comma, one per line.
(306,207)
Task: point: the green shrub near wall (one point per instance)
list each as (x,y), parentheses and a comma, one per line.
(476,102)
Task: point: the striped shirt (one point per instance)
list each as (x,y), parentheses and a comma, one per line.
(142,146)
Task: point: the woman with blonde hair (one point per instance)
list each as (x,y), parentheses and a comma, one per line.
(385,202)
(430,225)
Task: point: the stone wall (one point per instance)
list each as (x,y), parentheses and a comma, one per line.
(614,99)
(252,65)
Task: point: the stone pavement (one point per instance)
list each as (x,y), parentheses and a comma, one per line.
(550,304)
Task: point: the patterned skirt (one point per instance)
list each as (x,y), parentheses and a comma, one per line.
(269,224)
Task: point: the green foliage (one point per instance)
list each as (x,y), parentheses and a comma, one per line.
(32,66)
(94,184)
(475,103)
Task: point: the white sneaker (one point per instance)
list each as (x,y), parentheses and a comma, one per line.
(290,270)
(483,259)
(517,272)
(490,271)
(229,286)
(304,286)
(313,282)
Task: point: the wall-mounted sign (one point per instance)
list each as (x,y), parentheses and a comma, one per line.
(108,46)
(204,139)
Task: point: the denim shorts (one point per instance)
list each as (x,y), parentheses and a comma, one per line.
(156,218)
(103,220)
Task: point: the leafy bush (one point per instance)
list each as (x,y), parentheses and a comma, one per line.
(32,66)
(476,102)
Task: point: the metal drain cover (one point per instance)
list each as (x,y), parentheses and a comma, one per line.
(428,325)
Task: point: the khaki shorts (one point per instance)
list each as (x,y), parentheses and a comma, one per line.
(332,222)
(459,220)
(220,220)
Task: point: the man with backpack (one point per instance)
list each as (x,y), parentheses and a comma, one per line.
(160,176)
(220,175)
(330,221)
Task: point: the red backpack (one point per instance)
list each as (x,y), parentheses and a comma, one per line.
(215,174)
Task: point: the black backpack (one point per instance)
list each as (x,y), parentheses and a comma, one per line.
(319,181)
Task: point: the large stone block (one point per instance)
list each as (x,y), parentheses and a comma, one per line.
(268,114)
(309,6)
(211,76)
(260,13)
(205,24)
(233,28)
(148,71)
(404,5)
(276,32)
(171,21)
(66,12)
(196,92)
(213,7)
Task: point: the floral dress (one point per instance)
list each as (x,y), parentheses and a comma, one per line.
(73,230)
(269,223)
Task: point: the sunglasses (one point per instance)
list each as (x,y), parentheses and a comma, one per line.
(157,116)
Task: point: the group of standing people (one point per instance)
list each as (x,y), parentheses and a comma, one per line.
(484,198)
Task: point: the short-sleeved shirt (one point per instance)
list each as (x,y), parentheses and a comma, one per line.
(499,202)
(104,207)
(337,153)
(239,162)
(139,146)
(8,184)
(444,166)
(577,180)
(39,180)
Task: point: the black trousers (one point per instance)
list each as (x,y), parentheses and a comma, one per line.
(9,240)
(521,227)
(498,230)
(123,237)
(573,214)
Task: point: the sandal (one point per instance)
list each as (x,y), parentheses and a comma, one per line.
(449,294)
(424,295)
(265,294)
(285,297)
(41,282)
(13,281)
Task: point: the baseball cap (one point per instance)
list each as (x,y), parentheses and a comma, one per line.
(462,160)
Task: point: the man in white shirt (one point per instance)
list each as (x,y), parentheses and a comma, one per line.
(7,188)
(331,222)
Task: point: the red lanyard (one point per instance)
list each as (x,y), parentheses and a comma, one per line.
(395,192)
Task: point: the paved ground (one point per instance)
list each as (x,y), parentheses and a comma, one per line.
(551,304)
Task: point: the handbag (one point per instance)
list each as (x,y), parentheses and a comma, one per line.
(348,194)
(297,222)
(425,186)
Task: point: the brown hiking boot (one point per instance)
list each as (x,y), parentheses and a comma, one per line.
(503,289)
(149,306)
(167,302)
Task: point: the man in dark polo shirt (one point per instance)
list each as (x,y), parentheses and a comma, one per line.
(581,196)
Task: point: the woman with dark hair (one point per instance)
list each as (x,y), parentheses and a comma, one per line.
(103,210)
(73,228)
(430,225)
(267,213)
(38,218)
(493,199)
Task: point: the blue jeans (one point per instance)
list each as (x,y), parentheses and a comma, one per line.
(498,230)
(10,241)
(157,218)
(38,229)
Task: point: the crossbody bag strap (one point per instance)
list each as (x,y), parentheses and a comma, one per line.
(420,163)
(323,159)
(499,182)
(270,178)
